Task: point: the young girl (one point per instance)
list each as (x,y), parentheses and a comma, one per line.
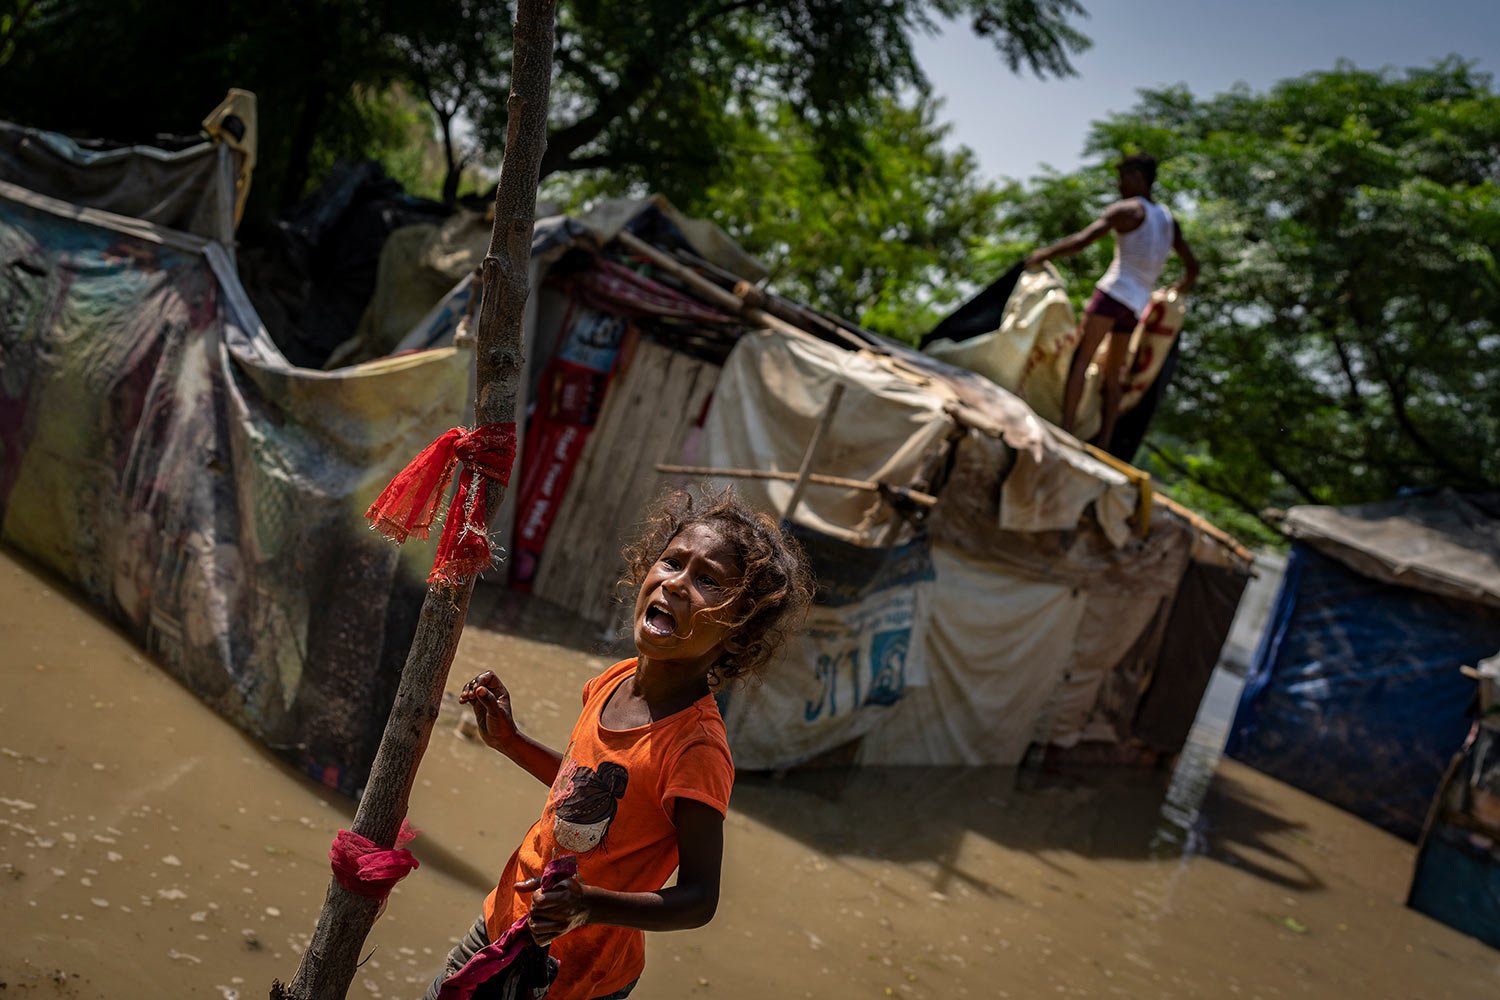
(643,785)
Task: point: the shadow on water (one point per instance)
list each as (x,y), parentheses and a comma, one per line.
(499,609)
(913,814)
(923,814)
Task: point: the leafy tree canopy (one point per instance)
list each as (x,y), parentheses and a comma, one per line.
(648,89)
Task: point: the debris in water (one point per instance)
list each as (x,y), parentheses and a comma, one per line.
(172,893)
(271,911)
(182,956)
(21,804)
(199,916)
(103,904)
(171,859)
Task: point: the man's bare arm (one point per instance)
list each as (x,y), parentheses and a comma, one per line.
(1116,218)
(1189,262)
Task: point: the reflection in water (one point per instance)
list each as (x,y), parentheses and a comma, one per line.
(1180,831)
(1098,812)
(143,841)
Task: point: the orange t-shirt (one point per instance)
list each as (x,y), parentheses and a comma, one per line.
(612,805)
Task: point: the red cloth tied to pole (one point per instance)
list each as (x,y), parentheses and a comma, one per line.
(367,869)
(409,504)
(495,958)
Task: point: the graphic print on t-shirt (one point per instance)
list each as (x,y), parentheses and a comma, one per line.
(584,801)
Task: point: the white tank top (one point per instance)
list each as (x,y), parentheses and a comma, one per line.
(1140,256)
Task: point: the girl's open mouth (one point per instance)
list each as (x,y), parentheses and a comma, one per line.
(659,621)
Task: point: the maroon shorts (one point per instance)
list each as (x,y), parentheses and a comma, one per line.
(1102,304)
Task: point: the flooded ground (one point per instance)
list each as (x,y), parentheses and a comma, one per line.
(149,849)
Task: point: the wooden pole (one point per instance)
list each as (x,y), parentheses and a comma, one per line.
(328,965)
(817,479)
(829,409)
(707,289)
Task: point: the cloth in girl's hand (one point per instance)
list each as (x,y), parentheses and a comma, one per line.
(494,959)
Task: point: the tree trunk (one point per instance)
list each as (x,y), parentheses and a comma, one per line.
(328,965)
(454,163)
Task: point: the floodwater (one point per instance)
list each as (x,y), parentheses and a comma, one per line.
(147,848)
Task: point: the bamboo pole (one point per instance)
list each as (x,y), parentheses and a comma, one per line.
(865,485)
(328,965)
(824,421)
(707,289)
(1139,477)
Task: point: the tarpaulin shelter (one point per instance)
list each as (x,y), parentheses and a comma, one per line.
(1355,694)
(1043,600)
(162,454)
(159,453)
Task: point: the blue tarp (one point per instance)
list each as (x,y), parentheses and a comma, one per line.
(1355,694)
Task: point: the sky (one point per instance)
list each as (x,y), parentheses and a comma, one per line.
(1016,123)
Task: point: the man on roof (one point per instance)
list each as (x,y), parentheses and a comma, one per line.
(1145,233)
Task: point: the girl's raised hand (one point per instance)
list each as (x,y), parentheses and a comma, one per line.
(555,911)
(491,703)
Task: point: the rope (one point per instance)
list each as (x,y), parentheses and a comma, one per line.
(409,504)
(367,869)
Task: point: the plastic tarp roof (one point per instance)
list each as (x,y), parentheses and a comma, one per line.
(1442,543)
(190,190)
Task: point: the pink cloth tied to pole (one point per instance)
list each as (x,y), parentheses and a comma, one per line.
(408,505)
(496,957)
(367,869)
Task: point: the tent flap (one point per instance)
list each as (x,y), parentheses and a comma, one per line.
(1442,543)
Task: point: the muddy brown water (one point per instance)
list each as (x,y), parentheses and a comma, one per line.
(149,849)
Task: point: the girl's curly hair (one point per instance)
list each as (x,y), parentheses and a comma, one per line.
(775,586)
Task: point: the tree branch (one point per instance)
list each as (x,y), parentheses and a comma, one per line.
(641,73)
(1277,466)
(1240,501)
(1396,386)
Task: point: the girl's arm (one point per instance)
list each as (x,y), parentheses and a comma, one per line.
(497,727)
(689,903)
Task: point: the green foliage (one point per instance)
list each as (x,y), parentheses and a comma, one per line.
(891,252)
(894,251)
(654,91)
(17,19)
(1342,342)
(634,78)
(390,126)
(130,69)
